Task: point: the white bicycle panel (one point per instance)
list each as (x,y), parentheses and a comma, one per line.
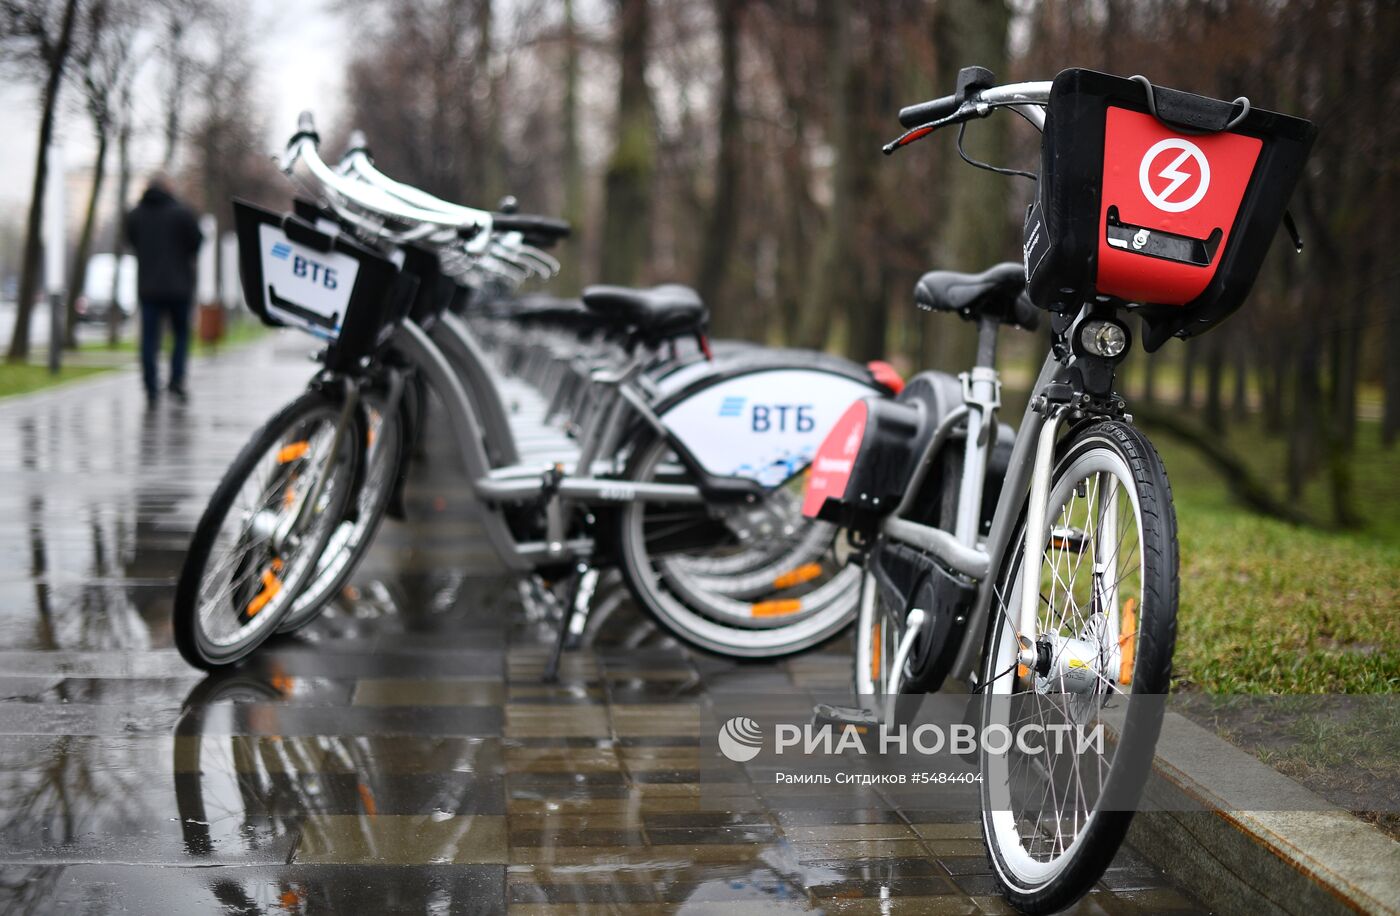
(764,425)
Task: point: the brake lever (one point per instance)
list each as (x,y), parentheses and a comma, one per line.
(966,112)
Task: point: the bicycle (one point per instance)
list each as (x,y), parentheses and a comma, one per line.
(1040,567)
(683,519)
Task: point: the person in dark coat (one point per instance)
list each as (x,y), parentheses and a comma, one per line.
(165,236)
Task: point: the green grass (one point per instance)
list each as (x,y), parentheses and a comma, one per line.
(24,378)
(235,333)
(29,377)
(1268,607)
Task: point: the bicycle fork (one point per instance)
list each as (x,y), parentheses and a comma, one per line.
(294,525)
(1027,622)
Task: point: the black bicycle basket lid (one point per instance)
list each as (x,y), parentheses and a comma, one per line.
(329,285)
(1161,198)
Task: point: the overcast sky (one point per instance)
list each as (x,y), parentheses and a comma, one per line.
(301,55)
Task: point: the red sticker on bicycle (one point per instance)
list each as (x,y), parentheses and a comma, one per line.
(835,458)
(1169,204)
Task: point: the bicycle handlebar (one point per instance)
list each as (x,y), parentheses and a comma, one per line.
(393,202)
(544,227)
(1026,99)
(932,110)
(363,196)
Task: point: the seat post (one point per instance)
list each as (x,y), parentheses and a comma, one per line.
(987,330)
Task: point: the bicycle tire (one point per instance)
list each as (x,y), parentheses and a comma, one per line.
(375,492)
(185,616)
(1093,849)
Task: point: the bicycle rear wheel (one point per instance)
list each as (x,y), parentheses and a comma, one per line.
(749,581)
(255,548)
(354,535)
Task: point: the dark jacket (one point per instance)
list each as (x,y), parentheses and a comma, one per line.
(165,236)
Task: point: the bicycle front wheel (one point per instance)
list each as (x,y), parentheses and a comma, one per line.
(1054,813)
(270,518)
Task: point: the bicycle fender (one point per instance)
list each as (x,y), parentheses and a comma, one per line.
(760,423)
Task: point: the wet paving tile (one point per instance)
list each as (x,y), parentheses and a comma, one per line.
(401,754)
(389,839)
(440,692)
(91,888)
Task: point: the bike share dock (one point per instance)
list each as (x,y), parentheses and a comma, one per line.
(402,754)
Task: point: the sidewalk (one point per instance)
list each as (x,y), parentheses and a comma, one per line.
(402,755)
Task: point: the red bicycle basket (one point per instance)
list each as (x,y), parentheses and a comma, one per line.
(1171,209)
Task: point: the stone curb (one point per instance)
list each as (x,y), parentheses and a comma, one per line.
(1306,856)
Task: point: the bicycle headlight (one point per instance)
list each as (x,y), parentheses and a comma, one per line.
(1103,337)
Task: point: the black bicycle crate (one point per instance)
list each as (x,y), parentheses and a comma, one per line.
(298,275)
(1162,198)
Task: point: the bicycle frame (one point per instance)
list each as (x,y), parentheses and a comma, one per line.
(522,483)
(1030,467)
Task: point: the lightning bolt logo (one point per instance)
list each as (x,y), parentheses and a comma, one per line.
(1175,175)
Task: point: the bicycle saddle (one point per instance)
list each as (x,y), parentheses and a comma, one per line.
(543,309)
(998,292)
(669,310)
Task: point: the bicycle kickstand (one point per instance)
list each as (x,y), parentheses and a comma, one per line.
(572,619)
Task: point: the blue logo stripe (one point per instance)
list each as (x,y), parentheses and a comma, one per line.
(732,406)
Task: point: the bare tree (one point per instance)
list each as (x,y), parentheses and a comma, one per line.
(125,115)
(43,32)
(627,218)
(102,69)
(722,225)
(573,151)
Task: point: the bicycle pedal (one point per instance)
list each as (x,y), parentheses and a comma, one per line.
(840,716)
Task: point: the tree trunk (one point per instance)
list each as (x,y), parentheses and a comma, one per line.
(830,284)
(1239,401)
(30,266)
(179,62)
(723,223)
(114,315)
(1302,440)
(1273,384)
(627,214)
(569,278)
(1215,379)
(493,180)
(80,258)
(872,95)
(1347,353)
(1390,422)
(1188,373)
(977,230)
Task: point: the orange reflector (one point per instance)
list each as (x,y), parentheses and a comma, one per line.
(876,644)
(367,799)
(282,683)
(805,573)
(292,451)
(1128,642)
(775,608)
(1022,671)
(271,586)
